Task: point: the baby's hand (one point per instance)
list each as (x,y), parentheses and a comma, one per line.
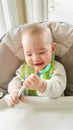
(33,82)
(13,97)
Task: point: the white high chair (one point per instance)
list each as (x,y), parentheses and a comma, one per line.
(37,113)
(11,52)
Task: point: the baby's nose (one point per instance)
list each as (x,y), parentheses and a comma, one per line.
(35,57)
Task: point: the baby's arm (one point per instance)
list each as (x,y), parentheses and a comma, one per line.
(57,84)
(13,89)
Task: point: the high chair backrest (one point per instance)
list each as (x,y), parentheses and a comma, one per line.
(11,52)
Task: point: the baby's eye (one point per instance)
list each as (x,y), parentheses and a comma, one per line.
(42,52)
(29,54)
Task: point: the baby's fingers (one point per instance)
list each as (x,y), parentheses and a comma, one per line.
(22,98)
(34,77)
(13,100)
(11,104)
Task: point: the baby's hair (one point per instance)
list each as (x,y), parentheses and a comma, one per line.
(38,28)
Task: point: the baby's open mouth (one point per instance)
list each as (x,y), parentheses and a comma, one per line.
(38,64)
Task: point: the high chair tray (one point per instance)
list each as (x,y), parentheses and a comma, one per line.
(37,113)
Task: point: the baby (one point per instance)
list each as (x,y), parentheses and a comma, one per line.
(39,52)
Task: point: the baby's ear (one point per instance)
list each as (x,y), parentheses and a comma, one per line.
(53,47)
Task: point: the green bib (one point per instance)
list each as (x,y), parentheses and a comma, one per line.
(28,70)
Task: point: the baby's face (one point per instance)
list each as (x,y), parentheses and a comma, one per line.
(37,51)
